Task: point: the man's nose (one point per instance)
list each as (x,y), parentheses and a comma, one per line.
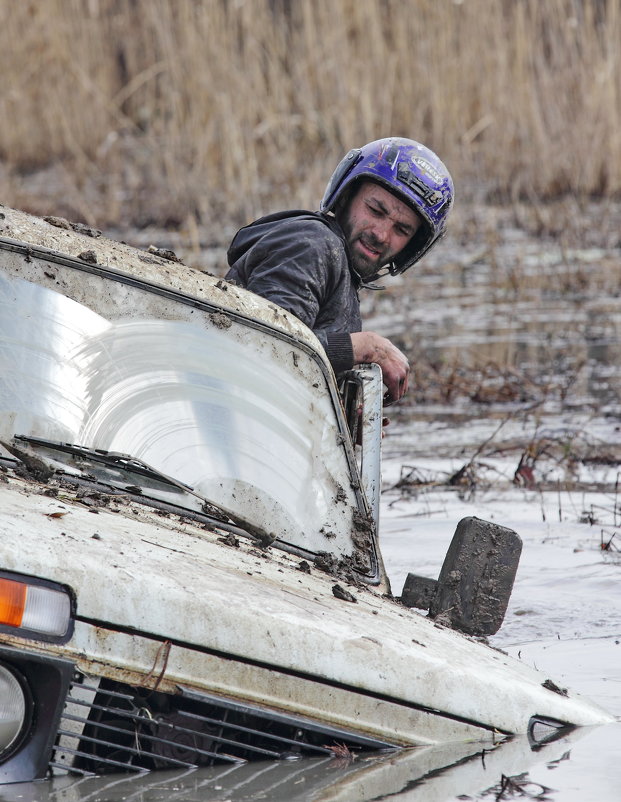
(381,231)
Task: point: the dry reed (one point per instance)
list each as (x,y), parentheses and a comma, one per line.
(196,112)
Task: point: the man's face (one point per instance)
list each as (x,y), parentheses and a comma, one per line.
(378,226)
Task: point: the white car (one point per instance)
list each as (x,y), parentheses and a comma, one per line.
(190,571)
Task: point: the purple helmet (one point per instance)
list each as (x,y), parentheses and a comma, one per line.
(410,171)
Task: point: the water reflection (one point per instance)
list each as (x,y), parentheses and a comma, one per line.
(424,774)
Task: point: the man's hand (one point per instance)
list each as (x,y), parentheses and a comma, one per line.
(371,347)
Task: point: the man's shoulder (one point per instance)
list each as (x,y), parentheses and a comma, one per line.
(299,219)
(293,229)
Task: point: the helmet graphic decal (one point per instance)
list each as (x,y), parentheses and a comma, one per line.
(428,168)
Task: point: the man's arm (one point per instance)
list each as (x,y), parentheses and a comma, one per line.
(299,290)
(371,347)
(297,265)
(301,265)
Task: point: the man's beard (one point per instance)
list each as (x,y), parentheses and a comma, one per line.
(365,265)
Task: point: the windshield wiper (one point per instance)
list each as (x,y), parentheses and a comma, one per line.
(126,473)
(111,459)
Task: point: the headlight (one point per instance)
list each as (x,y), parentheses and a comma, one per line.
(12,709)
(35,608)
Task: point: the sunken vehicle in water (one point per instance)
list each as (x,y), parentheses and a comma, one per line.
(190,571)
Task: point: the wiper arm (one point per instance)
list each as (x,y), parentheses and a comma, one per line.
(29,450)
(112,459)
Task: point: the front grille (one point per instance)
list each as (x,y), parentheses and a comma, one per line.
(109,727)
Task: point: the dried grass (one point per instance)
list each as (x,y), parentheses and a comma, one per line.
(186,112)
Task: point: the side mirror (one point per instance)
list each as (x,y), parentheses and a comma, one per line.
(475,583)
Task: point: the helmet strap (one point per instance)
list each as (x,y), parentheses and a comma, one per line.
(370,285)
(366,286)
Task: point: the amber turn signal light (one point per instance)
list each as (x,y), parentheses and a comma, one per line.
(34,608)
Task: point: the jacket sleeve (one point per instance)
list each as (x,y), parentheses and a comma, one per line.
(298,270)
(338,348)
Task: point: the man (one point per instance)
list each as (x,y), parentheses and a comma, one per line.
(385,206)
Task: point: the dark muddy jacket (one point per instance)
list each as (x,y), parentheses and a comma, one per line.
(300,261)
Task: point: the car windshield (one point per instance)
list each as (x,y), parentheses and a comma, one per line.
(247,421)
